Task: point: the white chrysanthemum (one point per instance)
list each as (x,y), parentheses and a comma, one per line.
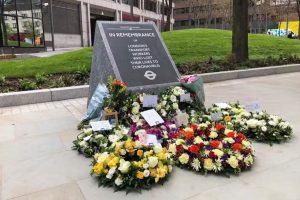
(83,144)
(118,181)
(158,148)
(146,173)
(113,138)
(124,166)
(163,113)
(87,138)
(264,128)
(152,161)
(158,107)
(102,157)
(146,166)
(135,118)
(248,160)
(173,98)
(196,164)
(272,123)
(135,110)
(172,148)
(140,132)
(170,168)
(88,131)
(175,106)
(252,123)
(198,140)
(136,104)
(123,152)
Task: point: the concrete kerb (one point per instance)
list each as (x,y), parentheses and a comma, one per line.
(57,94)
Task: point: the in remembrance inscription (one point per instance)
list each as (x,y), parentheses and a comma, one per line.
(134,53)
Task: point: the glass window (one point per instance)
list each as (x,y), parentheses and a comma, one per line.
(24,8)
(36,9)
(26,32)
(9,34)
(9,7)
(38,33)
(21,23)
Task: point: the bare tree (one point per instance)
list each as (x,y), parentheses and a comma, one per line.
(240,30)
(3,32)
(225,8)
(195,11)
(169,8)
(298,12)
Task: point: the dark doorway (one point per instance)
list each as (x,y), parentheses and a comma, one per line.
(94,19)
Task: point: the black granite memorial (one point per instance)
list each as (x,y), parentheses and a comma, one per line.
(133,52)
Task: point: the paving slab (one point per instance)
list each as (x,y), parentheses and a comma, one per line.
(69,191)
(36,161)
(41,173)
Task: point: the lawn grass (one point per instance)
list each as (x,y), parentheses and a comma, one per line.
(200,44)
(63,63)
(185,46)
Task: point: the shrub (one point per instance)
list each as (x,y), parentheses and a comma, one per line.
(40,78)
(2,80)
(26,84)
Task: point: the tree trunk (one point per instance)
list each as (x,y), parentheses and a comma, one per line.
(162,28)
(240,30)
(131,9)
(1,24)
(298,11)
(169,13)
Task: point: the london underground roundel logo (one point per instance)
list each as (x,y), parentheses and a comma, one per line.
(150,75)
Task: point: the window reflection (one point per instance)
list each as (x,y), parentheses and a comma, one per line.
(21,23)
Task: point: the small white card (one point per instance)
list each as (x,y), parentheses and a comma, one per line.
(143,139)
(185,97)
(150,101)
(181,119)
(152,140)
(253,107)
(101,125)
(223,105)
(216,116)
(152,117)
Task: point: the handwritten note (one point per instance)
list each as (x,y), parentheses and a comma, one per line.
(101,125)
(150,101)
(152,117)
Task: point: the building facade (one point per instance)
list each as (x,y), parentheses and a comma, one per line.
(263,14)
(34,25)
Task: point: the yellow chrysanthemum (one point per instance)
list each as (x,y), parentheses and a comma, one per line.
(140,153)
(113,162)
(161,156)
(227,118)
(98,168)
(140,175)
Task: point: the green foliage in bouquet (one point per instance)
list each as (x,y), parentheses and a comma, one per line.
(260,126)
(130,166)
(212,148)
(89,142)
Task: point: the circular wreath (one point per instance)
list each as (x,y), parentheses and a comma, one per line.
(132,166)
(212,148)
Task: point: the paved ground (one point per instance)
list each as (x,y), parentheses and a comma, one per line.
(49,52)
(36,162)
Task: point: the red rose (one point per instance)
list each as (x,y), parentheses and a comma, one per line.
(211,154)
(215,143)
(189,135)
(180,149)
(194,126)
(237,147)
(241,136)
(194,149)
(247,151)
(231,134)
(219,127)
